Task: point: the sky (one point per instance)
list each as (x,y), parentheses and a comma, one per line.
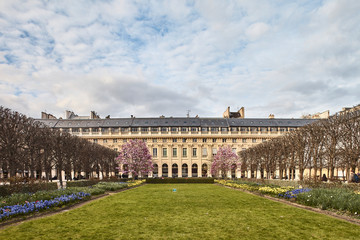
(152,58)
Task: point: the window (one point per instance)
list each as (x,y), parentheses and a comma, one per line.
(164,152)
(224,140)
(283,129)
(145,140)
(204,140)
(194,129)
(233,150)
(214,129)
(165,170)
(273,129)
(156,170)
(124,129)
(154,129)
(243,149)
(115,149)
(154,152)
(224,129)
(184,129)
(244,140)
(204,152)
(234,140)
(194,152)
(184,152)
(134,129)
(95,140)
(104,140)
(75,130)
(174,140)
(115,130)
(164,140)
(174,170)
(174,152)
(214,140)
(114,140)
(263,140)
(164,129)
(184,170)
(214,151)
(144,129)
(194,140)
(124,140)
(253,129)
(263,129)
(174,129)
(194,170)
(234,129)
(184,140)
(154,140)
(254,140)
(204,129)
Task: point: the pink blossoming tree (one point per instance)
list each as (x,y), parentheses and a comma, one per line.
(136,157)
(224,161)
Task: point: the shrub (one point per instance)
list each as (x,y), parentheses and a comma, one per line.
(337,199)
(25,185)
(29,207)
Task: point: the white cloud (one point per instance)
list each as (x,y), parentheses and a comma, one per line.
(256,30)
(163,57)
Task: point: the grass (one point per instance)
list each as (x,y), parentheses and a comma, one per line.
(194,211)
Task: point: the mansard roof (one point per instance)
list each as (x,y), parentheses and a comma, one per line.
(176,122)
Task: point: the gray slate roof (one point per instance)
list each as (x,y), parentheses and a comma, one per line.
(176,122)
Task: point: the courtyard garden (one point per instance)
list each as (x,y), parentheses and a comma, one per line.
(183,211)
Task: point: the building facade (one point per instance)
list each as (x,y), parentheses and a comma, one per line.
(180,147)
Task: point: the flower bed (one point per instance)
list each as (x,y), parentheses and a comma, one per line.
(29,207)
(341,199)
(293,194)
(272,190)
(24,203)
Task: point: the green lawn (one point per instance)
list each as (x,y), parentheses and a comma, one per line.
(195,211)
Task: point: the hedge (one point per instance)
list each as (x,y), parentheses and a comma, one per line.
(91,182)
(179,180)
(6,190)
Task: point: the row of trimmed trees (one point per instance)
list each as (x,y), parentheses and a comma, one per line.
(323,147)
(29,148)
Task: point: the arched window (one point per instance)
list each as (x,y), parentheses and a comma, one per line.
(125,171)
(156,170)
(204,169)
(194,170)
(165,170)
(184,170)
(233,171)
(174,170)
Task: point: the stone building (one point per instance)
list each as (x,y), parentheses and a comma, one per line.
(181,147)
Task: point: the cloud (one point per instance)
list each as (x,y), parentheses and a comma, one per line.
(162,57)
(256,30)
